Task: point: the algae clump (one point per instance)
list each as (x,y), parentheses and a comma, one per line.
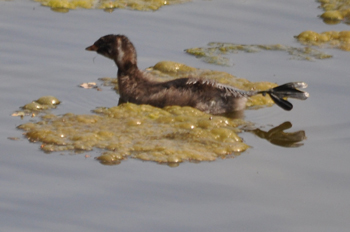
(333,39)
(173,67)
(39,105)
(336,11)
(43,103)
(108,5)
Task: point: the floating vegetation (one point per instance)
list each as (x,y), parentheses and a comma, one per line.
(333,39)
(215,51)
(171,135)
(336,11)
(170,67)
(42,104)
(64,6)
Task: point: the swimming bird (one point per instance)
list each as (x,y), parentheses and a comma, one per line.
(206,95)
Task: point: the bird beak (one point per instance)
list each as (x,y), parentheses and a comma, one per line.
(91,48)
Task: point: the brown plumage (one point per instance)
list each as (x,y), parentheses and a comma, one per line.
(205,95)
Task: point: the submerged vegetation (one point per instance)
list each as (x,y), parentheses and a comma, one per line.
(215,51)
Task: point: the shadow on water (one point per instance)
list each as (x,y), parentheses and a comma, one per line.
(278,137)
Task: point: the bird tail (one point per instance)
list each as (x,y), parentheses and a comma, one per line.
(279,93)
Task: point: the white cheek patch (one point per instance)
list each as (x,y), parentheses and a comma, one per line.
(120,51)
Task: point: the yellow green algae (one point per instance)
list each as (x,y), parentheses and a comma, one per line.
(170,135)
(333,39)
(108,5)
(215,51)
(336,11)
(41,104)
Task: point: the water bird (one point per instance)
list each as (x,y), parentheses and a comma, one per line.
(208,96)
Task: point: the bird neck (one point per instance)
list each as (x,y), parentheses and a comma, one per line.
(127,69)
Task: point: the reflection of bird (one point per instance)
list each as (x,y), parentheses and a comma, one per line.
(278,137)
(205,95)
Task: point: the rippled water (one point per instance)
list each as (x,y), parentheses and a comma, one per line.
(267,188)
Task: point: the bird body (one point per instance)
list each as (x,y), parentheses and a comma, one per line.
(206,95)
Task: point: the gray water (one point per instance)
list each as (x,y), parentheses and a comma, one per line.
(266,188)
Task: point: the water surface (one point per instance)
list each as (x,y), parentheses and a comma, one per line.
(267,188)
